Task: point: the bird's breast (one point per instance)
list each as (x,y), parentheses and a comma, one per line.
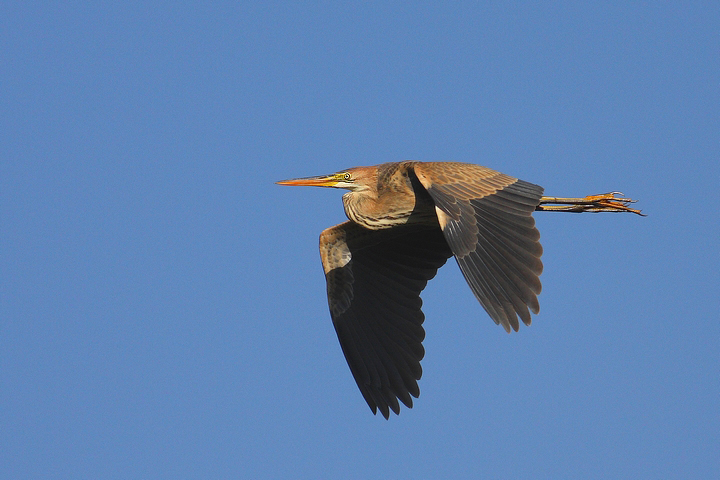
(382,213)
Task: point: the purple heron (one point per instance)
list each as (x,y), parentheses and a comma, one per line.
(405,220)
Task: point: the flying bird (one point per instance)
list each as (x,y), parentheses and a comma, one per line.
(405,219)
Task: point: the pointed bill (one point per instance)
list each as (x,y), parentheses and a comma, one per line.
(321,181)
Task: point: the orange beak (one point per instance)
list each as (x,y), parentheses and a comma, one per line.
(322,181)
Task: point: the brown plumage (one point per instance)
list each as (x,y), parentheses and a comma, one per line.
(405,220)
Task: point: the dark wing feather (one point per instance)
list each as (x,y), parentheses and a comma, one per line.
(374,280)
(486,218)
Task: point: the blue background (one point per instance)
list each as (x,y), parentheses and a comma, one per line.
(163,310)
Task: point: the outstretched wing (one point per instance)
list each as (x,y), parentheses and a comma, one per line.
(486,218)
(374,279)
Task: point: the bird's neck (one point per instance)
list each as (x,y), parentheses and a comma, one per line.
(385,211)
(359,207)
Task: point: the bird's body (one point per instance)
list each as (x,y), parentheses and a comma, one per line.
(405,220)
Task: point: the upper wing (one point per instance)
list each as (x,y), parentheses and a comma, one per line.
(374,279)
(486,218)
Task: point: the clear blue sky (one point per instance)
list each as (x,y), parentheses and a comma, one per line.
(162,303)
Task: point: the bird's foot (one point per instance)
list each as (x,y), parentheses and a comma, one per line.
(606,202)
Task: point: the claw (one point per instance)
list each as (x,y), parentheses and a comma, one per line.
(609,202)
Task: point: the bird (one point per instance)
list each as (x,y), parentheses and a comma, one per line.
(405,220)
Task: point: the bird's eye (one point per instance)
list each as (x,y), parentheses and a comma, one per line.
(347,176)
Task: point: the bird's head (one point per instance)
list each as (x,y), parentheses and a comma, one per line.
(354,179)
